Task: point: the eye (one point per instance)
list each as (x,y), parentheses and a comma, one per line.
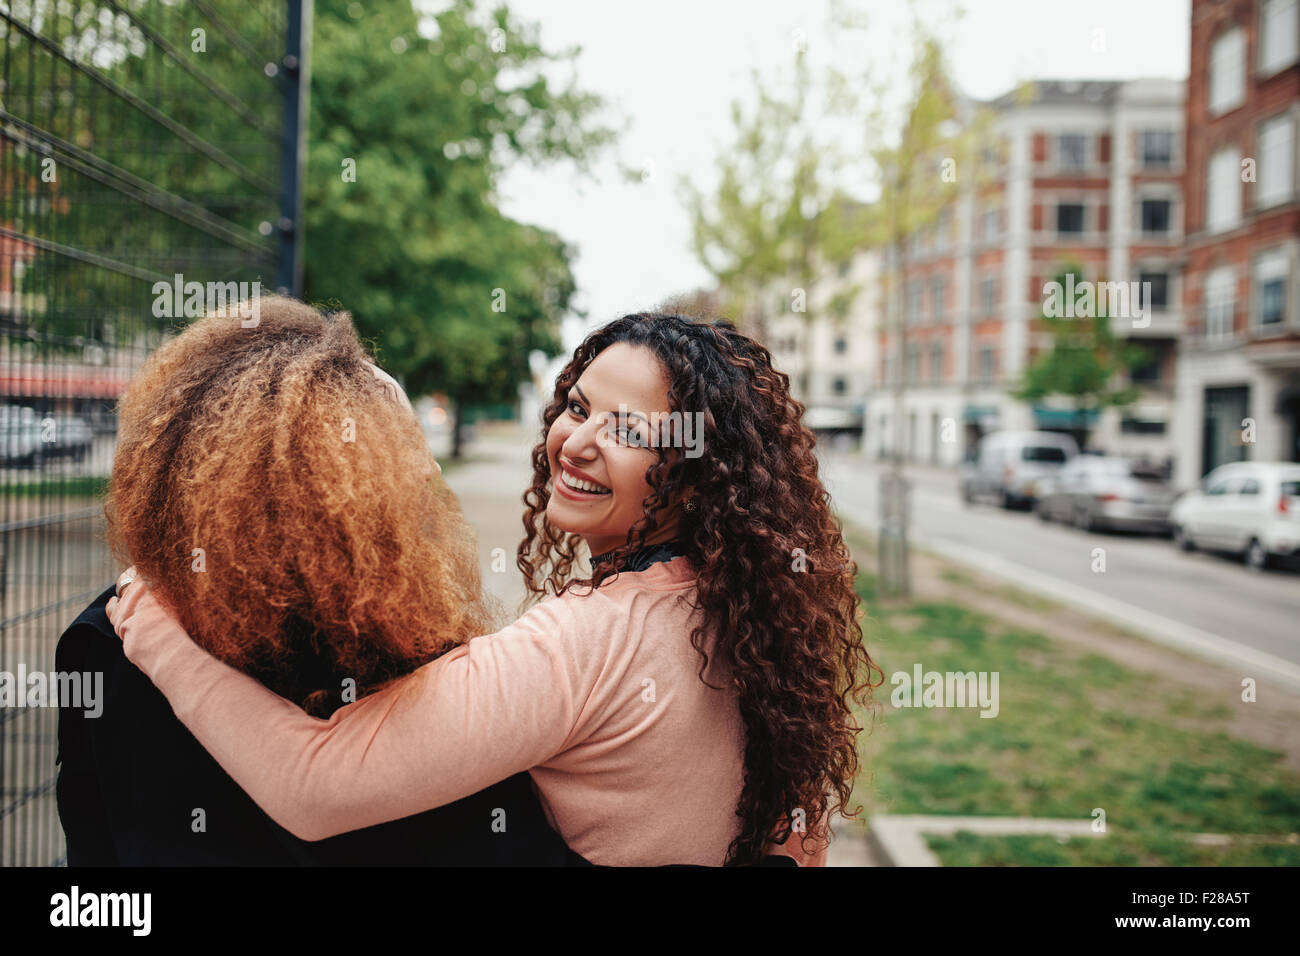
(632,437)
(575,404)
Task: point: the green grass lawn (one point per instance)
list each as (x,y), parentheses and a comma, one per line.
(1075,731)
(79,486)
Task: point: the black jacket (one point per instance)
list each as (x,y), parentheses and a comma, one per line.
(131,780)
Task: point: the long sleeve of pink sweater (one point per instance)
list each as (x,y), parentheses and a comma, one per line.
(636,760)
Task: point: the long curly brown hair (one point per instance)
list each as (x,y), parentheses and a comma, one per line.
(774,577)
(274,494)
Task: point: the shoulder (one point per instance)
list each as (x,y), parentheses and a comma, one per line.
(628,606)
(89,636)
(596,619)
(677,575)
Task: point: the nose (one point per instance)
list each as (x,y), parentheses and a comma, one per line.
(584,441)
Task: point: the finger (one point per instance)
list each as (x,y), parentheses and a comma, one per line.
(124,580)
(111,609)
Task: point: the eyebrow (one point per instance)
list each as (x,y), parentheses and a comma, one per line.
(583,395)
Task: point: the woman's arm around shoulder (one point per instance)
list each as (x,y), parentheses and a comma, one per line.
(502,703)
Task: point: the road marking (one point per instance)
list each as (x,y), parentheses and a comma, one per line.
(1155,627)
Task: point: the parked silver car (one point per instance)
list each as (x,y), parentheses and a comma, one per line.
(1095,492)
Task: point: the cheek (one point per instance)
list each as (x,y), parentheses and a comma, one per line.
(628,477)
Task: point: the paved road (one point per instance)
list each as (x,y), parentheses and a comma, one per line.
(1146,579)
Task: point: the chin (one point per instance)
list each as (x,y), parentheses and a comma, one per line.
(556,517)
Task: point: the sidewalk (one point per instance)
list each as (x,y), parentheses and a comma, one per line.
(490,482)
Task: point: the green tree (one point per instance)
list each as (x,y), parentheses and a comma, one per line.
(777,222)
(783,215)
(921,176)
(413,121)
(1087,362)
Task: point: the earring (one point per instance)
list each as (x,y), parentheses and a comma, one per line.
(689,505)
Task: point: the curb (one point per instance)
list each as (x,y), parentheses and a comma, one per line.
(900,840)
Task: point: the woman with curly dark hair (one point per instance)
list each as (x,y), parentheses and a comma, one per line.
(688,700)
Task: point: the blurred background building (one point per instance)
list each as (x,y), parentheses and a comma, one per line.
(1188,187)
(1240,354)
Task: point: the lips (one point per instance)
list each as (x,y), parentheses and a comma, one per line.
(574,484)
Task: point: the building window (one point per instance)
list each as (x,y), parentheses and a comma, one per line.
(942,229)
(913,371)
(841,345)
(1157,148)
(1270,289)
(1140,426)
(1276,173)
(1279,30)
(914,302)
(992,224)
(1069,218)
(1228,71)
(1155,216)
(989,295)
(1071,151)
(987,365)
(1155,289)
(1223,191)
(838,386)
(1147,372)
(938,289)
(936,362)
(1220,302)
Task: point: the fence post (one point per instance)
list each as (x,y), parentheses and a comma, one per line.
(295,70)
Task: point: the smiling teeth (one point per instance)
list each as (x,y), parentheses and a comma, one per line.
(579,485)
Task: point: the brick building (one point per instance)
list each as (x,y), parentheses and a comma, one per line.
(829,351)
(1083,173)
(1240,356)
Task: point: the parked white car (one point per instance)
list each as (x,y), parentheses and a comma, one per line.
(20,435)
(28,438)
(1011,466)
(1250,508)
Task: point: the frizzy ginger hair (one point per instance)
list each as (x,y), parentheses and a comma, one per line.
(274,494)
(773,575)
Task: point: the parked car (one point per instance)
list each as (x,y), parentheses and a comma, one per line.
(28,438)
(1104,492)
(66,436)
(1249,508)
(20,435)
(1010,466)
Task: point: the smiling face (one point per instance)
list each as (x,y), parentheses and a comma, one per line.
(599,460)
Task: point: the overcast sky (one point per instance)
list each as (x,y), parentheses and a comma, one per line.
(673,68)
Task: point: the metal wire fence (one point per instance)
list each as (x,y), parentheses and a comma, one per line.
(140,141)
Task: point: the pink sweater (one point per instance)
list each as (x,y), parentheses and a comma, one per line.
(597,695)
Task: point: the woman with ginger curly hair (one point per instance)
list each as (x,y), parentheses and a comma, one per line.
(687,702)
(276,489)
